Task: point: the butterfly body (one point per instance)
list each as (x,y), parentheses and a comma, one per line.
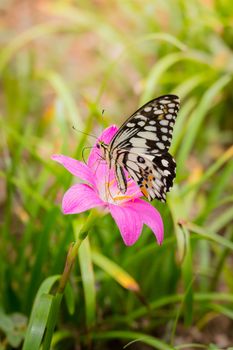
(141,145)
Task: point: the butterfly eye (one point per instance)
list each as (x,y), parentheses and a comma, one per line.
(141,160)
(98,145)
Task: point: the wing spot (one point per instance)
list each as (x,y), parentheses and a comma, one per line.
(169,116)
(165,162)
(150,128)
(141,123)
(158,111)
(164,130)
(171,110)
(140,116)
(164,137)
(138,142)
(147,109)
(130,125)
(140,159)
(167,172)
(149,135)
(160,145)
(152,122)
(163,122)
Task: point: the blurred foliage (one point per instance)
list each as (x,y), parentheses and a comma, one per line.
(61,64)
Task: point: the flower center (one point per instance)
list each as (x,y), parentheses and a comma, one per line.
(113,195)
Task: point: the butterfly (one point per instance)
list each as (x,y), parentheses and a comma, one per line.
(141,146)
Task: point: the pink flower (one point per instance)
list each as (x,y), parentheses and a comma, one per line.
(100,190)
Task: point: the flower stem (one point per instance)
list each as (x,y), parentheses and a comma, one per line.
(70,260)
(73,251)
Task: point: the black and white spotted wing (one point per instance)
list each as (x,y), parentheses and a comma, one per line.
(149,129)
(141,148)
(153,174)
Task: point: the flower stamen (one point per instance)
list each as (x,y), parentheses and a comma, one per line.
(120,198)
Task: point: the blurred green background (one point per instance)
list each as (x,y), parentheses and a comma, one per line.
(61,64)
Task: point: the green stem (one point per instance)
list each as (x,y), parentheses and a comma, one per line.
(73,251)
(71,256)
(70,260)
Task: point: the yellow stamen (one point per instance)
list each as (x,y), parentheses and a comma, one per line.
(123,197)
(111,182)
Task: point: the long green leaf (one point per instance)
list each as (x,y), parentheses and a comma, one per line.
(88,280)
(198,116)
(134,337)
(38,322)
(115,271)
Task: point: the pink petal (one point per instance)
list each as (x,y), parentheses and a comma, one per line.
(133,190)
(128,221)
(108,134)
(75,167)
(149,216)
(79,198)
(95,154)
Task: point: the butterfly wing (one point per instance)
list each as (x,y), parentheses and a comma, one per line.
(149,129)
(141,147)
(153,174)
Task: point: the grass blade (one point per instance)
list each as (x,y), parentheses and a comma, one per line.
(38,322)
(88,281)
(115,271)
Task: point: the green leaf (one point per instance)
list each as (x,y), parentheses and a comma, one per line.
(70,298)
(187,273)
(161,67)
(115,271)
(39,315)
(65,94)
(210,235)
(52,320)
(88,280)
(224,310)
(134,337)
(224,158)
(59,336)
(38,322)
(198,116)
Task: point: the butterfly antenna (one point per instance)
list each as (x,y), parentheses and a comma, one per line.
(85,133)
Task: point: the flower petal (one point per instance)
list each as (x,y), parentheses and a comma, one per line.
(149,216)
(79,198)
(108,134)
(95,154)
(75,167)
(128,221)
